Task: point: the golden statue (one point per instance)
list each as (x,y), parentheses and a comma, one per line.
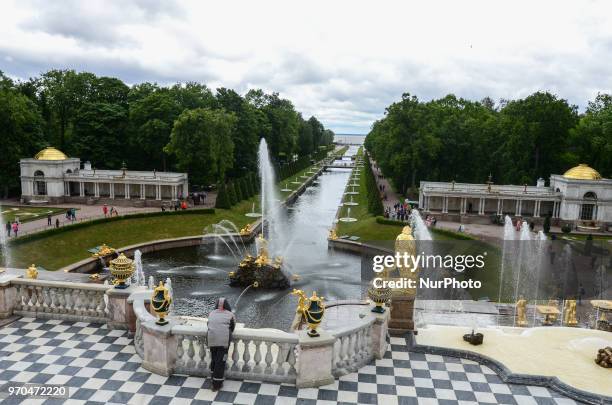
(405,244)
(262,254)
(104,250)
(301,301)
(332,234)
(32,272)
(246,230)
(521,312)
(553,303)
(569,317)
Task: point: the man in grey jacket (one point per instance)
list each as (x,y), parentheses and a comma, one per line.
(221,324)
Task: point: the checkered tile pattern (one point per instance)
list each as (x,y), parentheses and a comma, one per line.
(100,366)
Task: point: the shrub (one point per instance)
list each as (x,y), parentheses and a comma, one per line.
(546,225)
(566,228)
(223,200)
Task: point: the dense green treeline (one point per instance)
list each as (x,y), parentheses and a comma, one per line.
(517,141)
(211,135)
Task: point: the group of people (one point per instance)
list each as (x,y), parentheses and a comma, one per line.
(71,214)
(14,227)
(400,211)
(109,213)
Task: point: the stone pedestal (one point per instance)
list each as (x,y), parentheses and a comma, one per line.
(118,309)
(379,334)
(160,347)
(315,355)
(402,315)
(8,294)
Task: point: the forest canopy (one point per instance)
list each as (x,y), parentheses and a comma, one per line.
(149,126)
(514,141)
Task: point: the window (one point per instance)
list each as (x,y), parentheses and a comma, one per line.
(587,209)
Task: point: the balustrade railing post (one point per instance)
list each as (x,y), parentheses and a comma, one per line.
(119,315)
(378,334)
(8,296)
(315,356)
(160,348)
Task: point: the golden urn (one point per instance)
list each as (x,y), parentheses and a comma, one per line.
(32,272)
(379,296)
(160,302)
(122,269)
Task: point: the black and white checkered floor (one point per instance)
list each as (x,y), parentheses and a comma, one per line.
(101,366)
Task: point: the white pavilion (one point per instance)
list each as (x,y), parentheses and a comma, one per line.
(579,196)
(53,177)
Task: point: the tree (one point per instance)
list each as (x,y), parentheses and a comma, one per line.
(222,197)
(151,122)
(64,92)
(98,132)
(232,195)
(591,139)
(201,141)
(20,132)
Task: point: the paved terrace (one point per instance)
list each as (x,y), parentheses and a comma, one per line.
(100,366)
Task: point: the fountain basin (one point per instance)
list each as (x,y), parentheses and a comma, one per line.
(565,353)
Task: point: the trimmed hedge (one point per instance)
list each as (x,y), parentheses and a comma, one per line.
(439,231)
(85,224)
(375,205)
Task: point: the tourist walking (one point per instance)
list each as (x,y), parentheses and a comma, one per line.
(15,228)
(221,324)
(8,229)
(48,219)
(57,222)
(105,210)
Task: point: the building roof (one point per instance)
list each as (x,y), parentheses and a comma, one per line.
(50,153)
(582,172)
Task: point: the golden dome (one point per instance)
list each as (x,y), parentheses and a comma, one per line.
(582,172)
(50,153)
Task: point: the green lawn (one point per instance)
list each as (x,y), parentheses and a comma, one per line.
(26,214)
(61,249)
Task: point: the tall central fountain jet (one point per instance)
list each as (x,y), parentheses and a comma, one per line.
(265,269)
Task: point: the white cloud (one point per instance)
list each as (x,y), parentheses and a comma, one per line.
(343,61)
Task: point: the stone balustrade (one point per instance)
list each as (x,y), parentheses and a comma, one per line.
(60,300)
(269,355)
(352,348)
(65,300)
(254,354)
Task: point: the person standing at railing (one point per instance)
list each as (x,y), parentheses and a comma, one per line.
(221,324)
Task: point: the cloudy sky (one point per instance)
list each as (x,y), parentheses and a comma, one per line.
(343,61)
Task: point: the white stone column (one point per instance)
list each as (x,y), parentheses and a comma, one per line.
(481,206)
(112,190)
(97,190)
(445,205)
(127,191)
(499,206)
(158,192)
(143,190)
(174,193)
(520,207)
(536,209)
(82,189)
